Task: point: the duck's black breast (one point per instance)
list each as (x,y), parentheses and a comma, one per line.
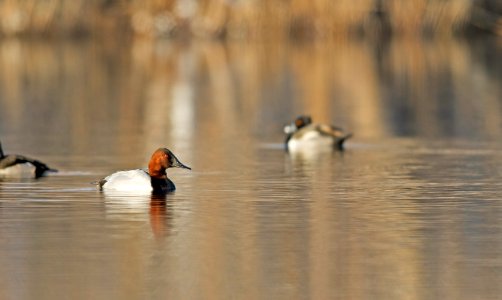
(162,185)
(288,137)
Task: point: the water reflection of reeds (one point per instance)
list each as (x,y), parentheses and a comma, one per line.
(237,19)
(406,86)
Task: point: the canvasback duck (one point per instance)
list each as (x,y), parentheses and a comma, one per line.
(155,180)
(302,134)
(18,166)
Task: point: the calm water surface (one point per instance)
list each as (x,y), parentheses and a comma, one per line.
(411,209)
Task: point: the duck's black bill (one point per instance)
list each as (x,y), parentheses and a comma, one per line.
(178,164)
(185,167)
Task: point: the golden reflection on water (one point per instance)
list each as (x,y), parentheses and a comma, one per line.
(390,218)
(403,87)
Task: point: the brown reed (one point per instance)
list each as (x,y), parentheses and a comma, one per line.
(246,18)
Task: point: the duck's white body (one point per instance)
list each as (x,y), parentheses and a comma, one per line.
(140,181)
(128,181)
(311,140)
(23,170)
(314,137)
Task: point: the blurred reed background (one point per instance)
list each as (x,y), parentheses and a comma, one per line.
(247,18)
(92,91)
(378,87)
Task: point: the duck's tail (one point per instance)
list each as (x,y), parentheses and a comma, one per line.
(41,169)
(99,183)
(340,141)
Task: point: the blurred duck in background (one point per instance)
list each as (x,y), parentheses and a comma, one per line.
(303,135)
(18,166)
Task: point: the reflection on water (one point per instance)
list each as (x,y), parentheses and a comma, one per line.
(410,210)
(131,207)
(402,87)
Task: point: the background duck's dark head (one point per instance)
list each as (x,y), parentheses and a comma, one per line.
(300,122)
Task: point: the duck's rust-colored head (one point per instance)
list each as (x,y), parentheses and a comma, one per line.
(161,160)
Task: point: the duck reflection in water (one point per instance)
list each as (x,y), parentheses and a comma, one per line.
(150,208)
(159,216)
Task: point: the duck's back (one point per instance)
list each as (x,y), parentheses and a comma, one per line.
(21,170)
(310,137)
(317,137)
(127,181)
(22,167)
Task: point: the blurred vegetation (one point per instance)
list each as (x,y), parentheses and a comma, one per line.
(247,18)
